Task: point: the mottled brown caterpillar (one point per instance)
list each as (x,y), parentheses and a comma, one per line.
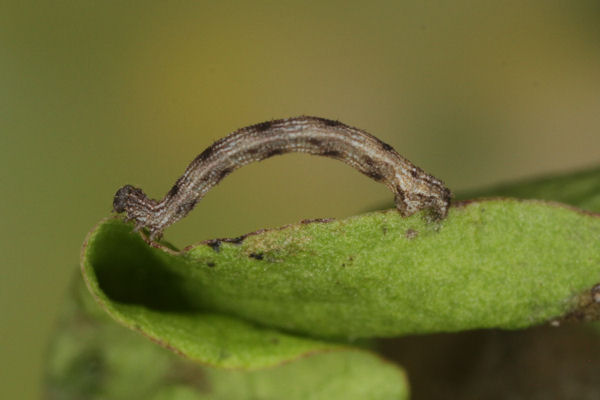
(413,188)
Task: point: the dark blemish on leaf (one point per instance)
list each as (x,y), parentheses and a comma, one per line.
(211,264)
(316,220)
(257,256)
(411,233)
(595,292)
(274,340)
(586,308)
(215,244)
(238,240)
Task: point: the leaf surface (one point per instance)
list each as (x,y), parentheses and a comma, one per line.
(92,357)
(267,297)
(580,189)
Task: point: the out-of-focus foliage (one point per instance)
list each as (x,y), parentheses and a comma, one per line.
(579,189)
(94,358)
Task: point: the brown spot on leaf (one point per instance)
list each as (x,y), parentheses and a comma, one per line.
(411,233)
(595,293)
(238,240)
(316,220)
(586,309)
(215,244)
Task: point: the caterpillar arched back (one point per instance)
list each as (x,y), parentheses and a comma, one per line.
(413,188)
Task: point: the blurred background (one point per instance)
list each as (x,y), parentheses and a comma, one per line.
(94,95)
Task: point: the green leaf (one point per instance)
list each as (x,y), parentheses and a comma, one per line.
(94,358)
(491,264)
(142,288)
(273,296)
(579,189)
